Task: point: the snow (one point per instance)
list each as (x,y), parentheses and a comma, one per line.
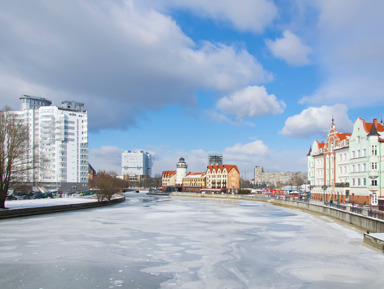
(21,204)
(174,242)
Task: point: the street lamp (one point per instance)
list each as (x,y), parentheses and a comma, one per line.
(324,189)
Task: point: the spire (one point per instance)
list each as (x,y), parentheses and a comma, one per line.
(373,131)
(310,151)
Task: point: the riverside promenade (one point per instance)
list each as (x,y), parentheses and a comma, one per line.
(373,227)
(55,206)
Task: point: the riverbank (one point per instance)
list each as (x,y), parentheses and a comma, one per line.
(47,206)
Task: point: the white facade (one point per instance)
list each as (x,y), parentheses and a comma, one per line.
(136,163)
(58,141)
(366,160)
(349,167)
(181,171)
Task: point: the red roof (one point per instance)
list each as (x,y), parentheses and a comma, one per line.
(168,174)
(343,136)
(221,167)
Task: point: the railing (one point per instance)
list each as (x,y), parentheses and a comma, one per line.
(376,214)
(357,210)
(337,206)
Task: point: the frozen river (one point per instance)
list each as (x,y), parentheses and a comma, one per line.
(174,242)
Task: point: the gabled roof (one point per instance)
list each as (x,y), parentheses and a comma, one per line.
(221,167)
(168,174)
(368,125)
(343,136)
(195,175)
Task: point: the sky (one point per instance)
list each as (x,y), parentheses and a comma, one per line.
(255,80)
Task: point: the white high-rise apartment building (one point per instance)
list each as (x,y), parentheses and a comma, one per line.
(58,141)
(137,163)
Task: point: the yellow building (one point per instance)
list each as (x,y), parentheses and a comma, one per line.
(194,182)
(168,179)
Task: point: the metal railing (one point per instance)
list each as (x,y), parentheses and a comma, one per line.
(376,214)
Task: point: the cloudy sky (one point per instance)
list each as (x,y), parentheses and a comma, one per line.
(254,80)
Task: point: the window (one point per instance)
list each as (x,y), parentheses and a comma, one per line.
(374,182)
(374,166)
(365,181)
(358,182)
(374,150)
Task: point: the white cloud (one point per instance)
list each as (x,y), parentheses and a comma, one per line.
(245,15)
(290,48)
(119,55)
(349,46)
(106,158)
(315,121)
(252,101)
(246,152)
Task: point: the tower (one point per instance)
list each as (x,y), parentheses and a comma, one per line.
(181,171)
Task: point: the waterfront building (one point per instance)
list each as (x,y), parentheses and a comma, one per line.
(168,179)
(273,179)
(328,161)
(58,144)
(194,182)
(222,178)
(348,167)
(181,172)
(136,165)
(175,178)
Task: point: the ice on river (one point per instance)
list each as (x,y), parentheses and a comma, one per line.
(175,242)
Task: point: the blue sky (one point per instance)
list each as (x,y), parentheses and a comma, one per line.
(254,80)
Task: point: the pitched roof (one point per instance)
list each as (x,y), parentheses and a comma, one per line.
(221,167)
(168,174)
(195,175)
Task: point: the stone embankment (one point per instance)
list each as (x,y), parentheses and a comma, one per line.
(373,226)
(13,213)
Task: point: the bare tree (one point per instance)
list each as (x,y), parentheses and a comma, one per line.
(15,164)
(297,180)
(108,184)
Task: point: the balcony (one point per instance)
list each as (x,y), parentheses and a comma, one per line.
(373,174)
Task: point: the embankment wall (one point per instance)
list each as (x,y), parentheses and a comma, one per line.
(13,213)
(362,222)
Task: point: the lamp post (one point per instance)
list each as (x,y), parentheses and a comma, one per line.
(324,189)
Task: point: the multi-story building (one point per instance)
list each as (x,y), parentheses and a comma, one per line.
(327,166)
(222,178)
(168,179)
(274,179)
(58,143)
(217,178)
(136,165)
(194,182)
(349,167)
